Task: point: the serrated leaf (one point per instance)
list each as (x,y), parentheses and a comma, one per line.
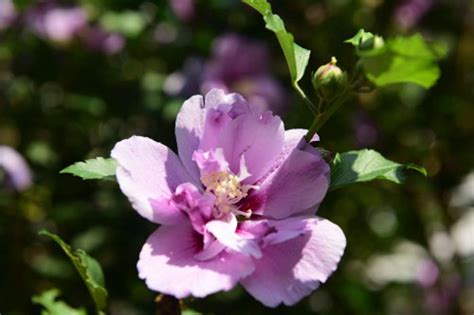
(98,168)
(296,56)
(52,306)
(89,269)
(366,165)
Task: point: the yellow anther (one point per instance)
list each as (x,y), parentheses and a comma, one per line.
(228,191)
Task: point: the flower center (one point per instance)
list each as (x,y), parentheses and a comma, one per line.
(228,191)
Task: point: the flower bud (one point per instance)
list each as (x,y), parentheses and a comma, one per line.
(329,80)
(372,43)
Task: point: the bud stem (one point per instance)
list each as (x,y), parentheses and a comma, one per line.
(322,117)
(308,102)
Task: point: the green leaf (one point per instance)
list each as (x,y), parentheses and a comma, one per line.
(406,59)
(88,268)
(98,168)
(359,38)
(399,60)
(296,56)
(48,299)
(262,6)
(366,165)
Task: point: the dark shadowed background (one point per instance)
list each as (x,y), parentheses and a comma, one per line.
(78,76)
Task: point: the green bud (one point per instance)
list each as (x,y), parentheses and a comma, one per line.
(371,43)
(329,80)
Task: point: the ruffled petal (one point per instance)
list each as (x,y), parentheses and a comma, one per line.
(299,183)
(225,233)
(188,130)
(148,174)
(168,264)
(292,269)
(256,137)
(190,124)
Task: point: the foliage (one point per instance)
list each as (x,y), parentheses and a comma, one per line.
(401,59)
(366,165)
(98,168)
(296,56)
(89,269)
(52,306)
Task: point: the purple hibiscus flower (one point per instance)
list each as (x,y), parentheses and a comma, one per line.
(236,205)
(18,174)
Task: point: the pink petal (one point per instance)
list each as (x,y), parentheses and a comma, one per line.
(198,206)
(292,138)
(213,249)
(188,130)
(300,182)
(148,174)
(291,270)
(168,265)
(210,161)
(190,124)
(225,233)
(257,137)
(285,230)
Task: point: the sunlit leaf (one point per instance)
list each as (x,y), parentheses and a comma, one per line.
(296,56)
(262,6)
(88,268)
(98,168)
(402,59)
(366,165)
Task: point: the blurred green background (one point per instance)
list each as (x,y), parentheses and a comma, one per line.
(71,90)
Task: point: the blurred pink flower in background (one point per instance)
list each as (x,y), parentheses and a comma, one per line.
(236,64)
(60,24)
(17,172)
(364,130)
(410,12)
(242,65)
(441,299)
(184,9)
(99,40)
(427,272)
(236,206)
(7,13)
